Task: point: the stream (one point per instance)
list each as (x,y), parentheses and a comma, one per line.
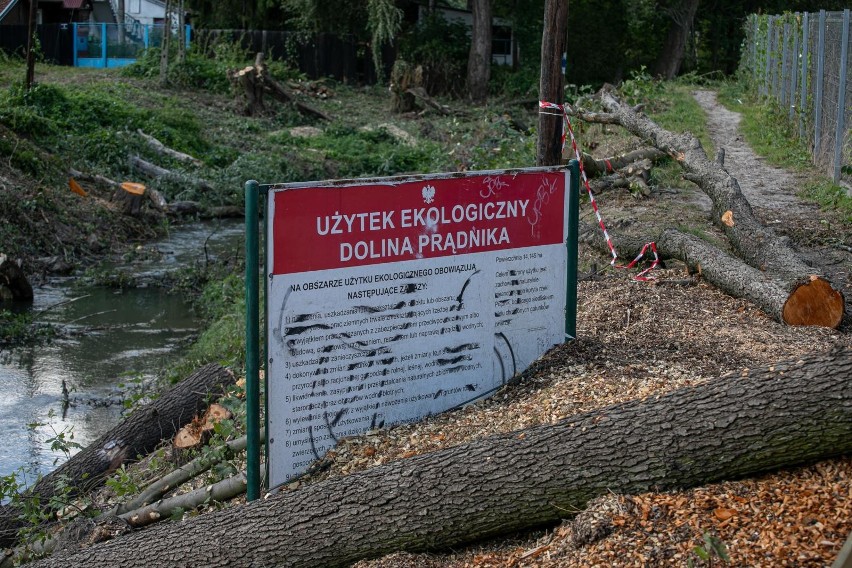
(114,342)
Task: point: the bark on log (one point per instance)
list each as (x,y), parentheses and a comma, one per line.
(812,300)
(137,435)
(729,274)
(155,171)
(726,428)
(595,167)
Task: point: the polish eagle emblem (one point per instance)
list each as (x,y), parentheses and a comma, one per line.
(428,194)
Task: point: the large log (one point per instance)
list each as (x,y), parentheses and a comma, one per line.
(137,435)
(730,427)
(164,150)
(812,299)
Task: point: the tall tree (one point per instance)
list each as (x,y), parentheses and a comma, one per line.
(479,61)
(31,45)
(166,43)
(682,13)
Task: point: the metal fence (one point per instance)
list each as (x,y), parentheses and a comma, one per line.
(802,62)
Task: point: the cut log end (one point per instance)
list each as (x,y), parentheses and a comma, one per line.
(198,431)
(814,303)
(129,197)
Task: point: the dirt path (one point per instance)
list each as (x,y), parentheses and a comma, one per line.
(820,237)
(763,185)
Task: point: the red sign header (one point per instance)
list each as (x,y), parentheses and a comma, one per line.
(318,228)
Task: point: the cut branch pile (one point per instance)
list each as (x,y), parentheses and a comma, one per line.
(767,271)
(254,82)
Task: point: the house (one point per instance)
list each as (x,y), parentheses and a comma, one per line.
(100,33)
(144,12)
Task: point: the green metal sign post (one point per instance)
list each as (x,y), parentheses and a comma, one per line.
(573,230)
(252,344)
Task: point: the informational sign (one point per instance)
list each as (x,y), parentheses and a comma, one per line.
(393,299)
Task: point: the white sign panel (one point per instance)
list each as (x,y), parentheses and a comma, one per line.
(390,300)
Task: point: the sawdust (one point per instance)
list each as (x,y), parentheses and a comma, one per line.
(636,340)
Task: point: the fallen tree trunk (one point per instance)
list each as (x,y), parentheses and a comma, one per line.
(155,171)
(155,197)
(729,274)
(726,428)
(595,167)
(137,435)
(164,150)
(812,299)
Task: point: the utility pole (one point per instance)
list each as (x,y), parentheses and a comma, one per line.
(552,83)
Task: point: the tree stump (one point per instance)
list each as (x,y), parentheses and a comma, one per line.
(14,285)
(402,79)
(129,197)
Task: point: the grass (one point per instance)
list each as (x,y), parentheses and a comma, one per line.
(768,132)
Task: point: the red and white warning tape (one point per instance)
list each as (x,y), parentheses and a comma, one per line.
(567,130)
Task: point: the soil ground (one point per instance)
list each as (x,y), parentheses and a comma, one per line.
(638,339)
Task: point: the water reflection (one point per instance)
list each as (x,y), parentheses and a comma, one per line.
(112,337)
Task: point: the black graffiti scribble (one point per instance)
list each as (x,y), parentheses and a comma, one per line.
(437,394)
(313,445)
(362,364)
(460,297)
(471,387)
(276,332)
(502,336)
(502,367)
(455,369)
(377,309)
(373,424)
(409,288)
(300,329)
(453,360)
(462,347)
